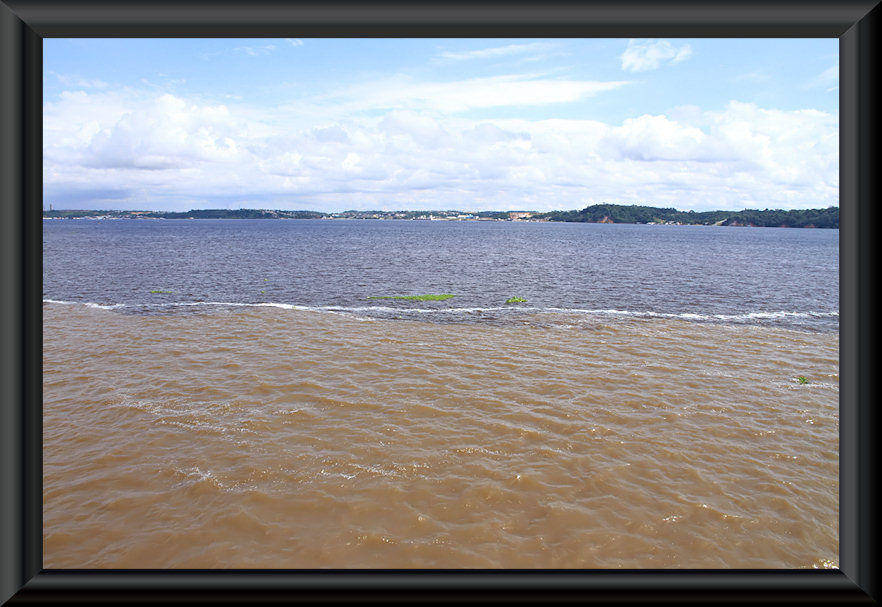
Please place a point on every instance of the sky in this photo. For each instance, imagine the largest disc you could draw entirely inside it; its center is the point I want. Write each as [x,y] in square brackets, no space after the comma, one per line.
[470,124]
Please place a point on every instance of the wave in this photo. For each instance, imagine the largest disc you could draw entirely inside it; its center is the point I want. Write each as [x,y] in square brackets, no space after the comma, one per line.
[88,304]
[355,310]
[695,316]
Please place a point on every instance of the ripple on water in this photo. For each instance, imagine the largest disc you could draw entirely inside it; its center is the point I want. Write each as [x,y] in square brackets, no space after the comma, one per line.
[339,443]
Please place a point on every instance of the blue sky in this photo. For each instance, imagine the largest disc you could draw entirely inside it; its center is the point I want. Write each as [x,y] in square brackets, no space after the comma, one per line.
[333,124]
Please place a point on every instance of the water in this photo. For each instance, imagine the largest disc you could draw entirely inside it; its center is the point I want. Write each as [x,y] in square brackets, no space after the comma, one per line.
[642,410]
[773,276]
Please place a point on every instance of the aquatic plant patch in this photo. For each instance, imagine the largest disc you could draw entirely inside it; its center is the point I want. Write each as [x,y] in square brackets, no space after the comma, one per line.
[415,297]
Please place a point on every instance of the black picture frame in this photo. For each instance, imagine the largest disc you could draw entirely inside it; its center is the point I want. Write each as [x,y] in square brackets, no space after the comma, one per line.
[23,24]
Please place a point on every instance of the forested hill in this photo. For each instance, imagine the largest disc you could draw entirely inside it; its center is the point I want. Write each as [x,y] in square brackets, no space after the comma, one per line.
[616,213]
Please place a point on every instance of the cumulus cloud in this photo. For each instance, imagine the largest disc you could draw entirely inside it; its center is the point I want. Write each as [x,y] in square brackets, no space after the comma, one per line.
[646,54]
[138,149]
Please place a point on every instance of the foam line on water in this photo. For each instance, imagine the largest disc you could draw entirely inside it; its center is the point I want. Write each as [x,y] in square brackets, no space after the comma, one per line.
[756,315]
[88,304]
[695,316]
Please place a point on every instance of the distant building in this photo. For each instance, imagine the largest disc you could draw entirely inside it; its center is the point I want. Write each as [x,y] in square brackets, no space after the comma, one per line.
[519,215]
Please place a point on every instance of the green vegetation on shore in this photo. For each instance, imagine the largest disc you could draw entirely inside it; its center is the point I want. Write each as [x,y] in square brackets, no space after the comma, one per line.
[598,213]
[415,297]
[773,218]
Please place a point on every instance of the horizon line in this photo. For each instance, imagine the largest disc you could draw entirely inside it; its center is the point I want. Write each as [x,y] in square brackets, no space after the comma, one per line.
[438,210]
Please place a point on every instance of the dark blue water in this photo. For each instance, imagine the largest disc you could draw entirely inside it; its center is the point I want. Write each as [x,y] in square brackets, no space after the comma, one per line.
[777,276]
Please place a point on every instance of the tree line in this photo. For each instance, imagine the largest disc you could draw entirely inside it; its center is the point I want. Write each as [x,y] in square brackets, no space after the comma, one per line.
[607,213]
[617,213]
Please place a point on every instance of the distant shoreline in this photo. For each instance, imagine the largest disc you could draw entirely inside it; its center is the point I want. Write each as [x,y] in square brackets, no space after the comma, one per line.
[601,213]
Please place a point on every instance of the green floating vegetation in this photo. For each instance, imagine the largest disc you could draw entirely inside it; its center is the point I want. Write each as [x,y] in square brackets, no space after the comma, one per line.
[511,300]
[801,380]
[415,297]
[160,291]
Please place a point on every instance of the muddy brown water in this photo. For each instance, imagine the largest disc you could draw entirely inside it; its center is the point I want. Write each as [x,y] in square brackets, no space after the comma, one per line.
[268,438]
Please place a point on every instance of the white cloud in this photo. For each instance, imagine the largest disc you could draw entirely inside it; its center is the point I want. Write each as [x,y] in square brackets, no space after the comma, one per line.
[476,93]
[252,50]
[646,54]
[651,138]
[78,82]
[828,79]
[497,51]
[255,51]
[139,149]
[756,76]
